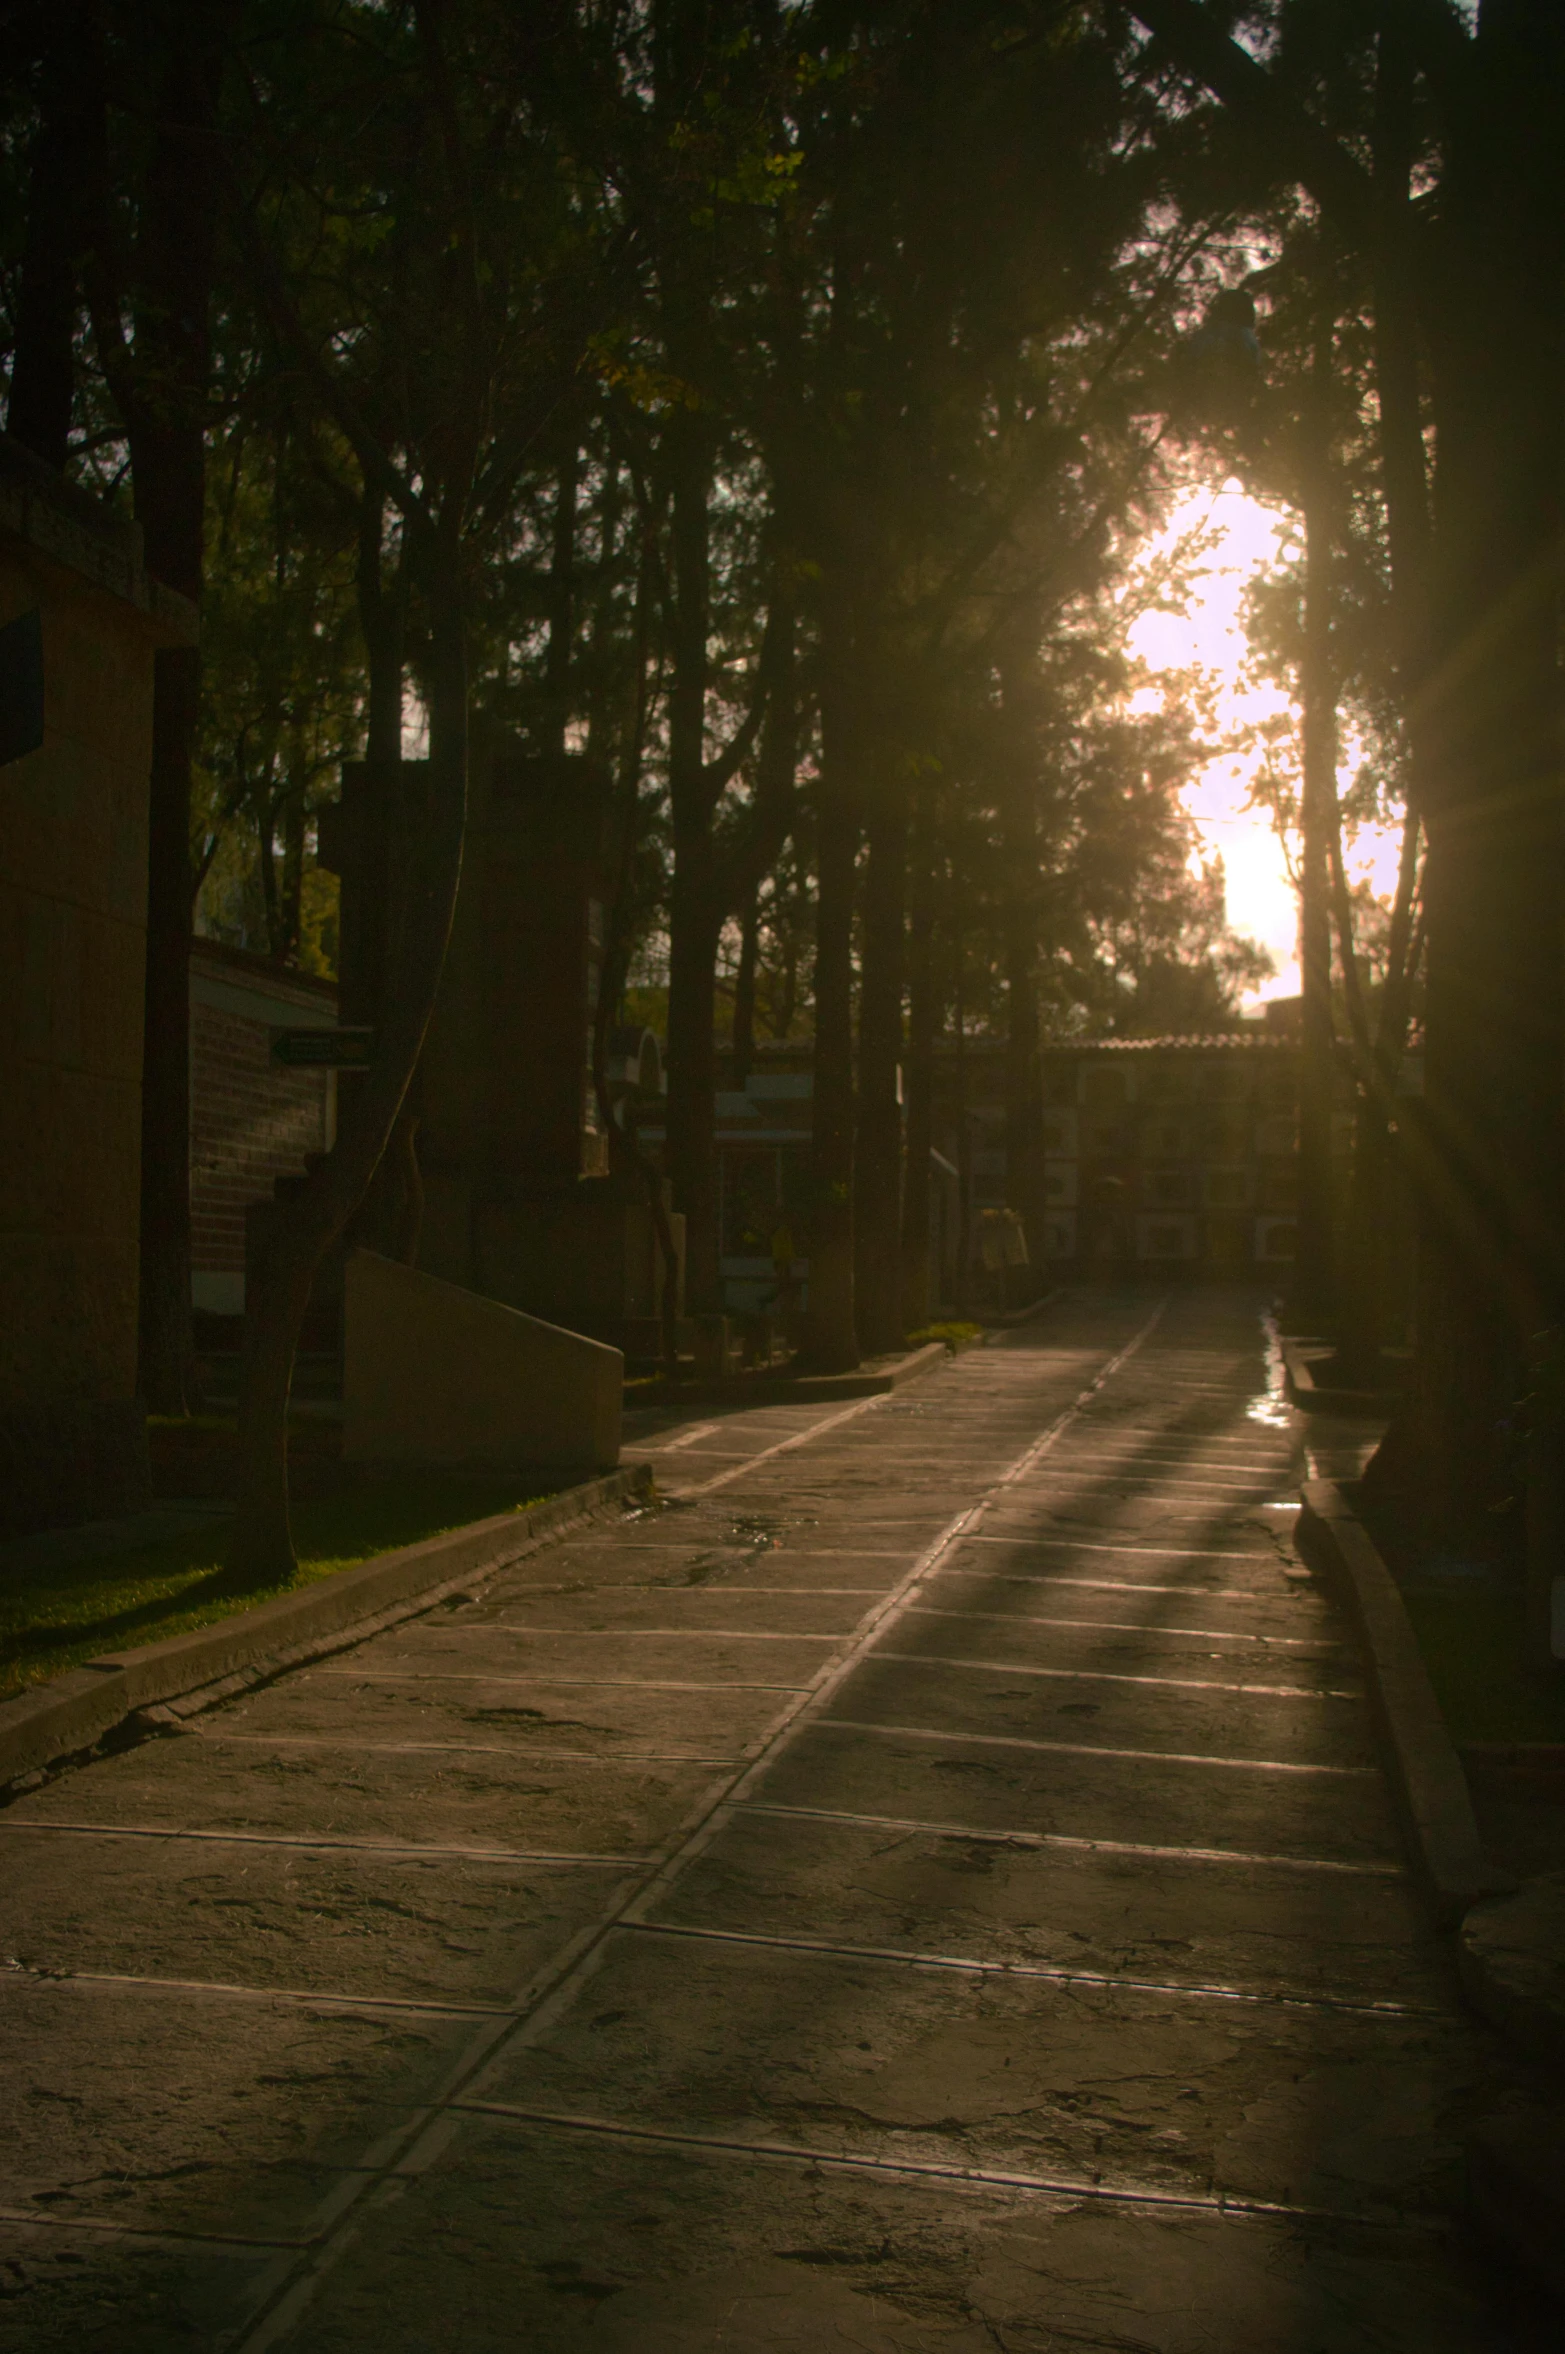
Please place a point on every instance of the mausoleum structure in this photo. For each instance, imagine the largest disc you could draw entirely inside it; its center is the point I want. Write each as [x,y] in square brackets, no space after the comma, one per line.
[80,625]
[522,1202]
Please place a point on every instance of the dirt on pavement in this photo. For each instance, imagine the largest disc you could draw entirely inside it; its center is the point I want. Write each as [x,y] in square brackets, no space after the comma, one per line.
[926,1888]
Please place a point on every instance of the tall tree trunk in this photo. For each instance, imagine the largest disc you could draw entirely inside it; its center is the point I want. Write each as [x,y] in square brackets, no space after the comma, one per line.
[383,624]
[921,1018]
[1311,1295]
[695,916]
[291,896]
[832,1340]
[1023,1069]
[962,1094]
[1366,1305]
[383,615]
[168,380]
[877,1192]
[1490,1244]
[261,1546]
[744,992]
[64,166]
[562,601]
[626,1152]
[695,924]
[390,1216]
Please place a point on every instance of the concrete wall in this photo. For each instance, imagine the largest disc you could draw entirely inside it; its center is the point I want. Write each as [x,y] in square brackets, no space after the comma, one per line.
[434,1374]
[252,1119]
[73,816]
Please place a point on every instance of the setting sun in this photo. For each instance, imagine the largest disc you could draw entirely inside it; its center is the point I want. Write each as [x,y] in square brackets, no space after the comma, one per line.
[1246,538]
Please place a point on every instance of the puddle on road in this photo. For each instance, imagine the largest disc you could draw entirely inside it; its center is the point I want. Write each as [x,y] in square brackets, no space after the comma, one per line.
[1270,1406]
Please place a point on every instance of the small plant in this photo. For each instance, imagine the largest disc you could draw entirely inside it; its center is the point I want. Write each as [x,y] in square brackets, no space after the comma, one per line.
[954,1336]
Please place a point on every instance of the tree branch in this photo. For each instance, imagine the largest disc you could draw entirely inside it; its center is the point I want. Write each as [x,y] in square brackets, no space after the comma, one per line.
[1201,49]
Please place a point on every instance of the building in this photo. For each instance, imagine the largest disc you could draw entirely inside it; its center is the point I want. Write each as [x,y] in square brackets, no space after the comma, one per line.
[80,624]
[1174,1153]
[521,1202]
[763,1170]
[1178,1155]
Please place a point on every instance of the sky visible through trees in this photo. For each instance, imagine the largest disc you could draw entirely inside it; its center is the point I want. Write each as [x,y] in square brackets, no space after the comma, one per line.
[1249,539]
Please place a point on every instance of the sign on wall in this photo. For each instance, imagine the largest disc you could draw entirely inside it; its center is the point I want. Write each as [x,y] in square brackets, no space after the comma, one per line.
[324,1050]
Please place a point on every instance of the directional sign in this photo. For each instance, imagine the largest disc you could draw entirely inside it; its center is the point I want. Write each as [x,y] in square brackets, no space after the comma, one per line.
[323,1050]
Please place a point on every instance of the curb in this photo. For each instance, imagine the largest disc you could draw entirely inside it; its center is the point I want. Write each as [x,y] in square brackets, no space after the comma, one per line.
[1510,1959]
[1426,1773]
[72,1712]
[1015,1316]
[1314,1397]
[1534,1768]
[805,1389]
[1516,2183]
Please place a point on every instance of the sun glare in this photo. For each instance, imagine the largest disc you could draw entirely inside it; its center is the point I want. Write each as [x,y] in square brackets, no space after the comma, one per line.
[1207,635]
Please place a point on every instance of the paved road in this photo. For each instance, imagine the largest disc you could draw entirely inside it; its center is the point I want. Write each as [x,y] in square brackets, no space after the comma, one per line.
[927,1890]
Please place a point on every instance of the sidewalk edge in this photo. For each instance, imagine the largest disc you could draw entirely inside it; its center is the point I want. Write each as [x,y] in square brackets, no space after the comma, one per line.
[1426,1774]
[805,1389]
[74,1711]
[1313,1397]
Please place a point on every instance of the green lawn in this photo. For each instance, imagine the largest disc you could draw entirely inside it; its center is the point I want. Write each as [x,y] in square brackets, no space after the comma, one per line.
[955,1336]
[54,1618]
[1471,1640]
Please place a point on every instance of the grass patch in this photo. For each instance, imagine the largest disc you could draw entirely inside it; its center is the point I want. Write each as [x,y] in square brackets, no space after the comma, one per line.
[955,1336]
[1472,1642]
[58,1615]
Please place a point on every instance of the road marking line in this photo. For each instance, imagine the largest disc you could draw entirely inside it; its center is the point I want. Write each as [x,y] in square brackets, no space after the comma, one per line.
[1205,1487]
[724,1594]
[1127,1451]
[1249,1765]
[535,1749]
[660,1634]
[1060,1577]
[168,2234]
[1074,1841]
[572,1683]
[743,1552]
[280,1994]
[783,1446]
[326,1843]
[688,1438]
[1156,1437]
[1124,1626]
[1090,1545]
[1100,1675]
[285,2297]
[915,2169]
[1365,2006]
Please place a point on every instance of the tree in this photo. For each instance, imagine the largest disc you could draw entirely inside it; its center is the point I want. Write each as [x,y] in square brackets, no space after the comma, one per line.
[151,274]
[1477,267]
[466,359]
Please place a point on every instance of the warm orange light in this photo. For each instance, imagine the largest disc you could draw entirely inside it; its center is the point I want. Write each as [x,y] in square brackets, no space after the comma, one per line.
[1208,636]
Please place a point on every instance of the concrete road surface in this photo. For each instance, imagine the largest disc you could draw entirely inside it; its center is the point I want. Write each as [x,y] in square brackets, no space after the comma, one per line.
[926,1889]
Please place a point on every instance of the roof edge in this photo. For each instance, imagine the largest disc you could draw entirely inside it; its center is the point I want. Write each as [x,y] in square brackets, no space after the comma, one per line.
[69,527]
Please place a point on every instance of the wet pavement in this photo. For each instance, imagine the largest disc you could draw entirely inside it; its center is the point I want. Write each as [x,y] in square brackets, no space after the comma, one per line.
[928,1888]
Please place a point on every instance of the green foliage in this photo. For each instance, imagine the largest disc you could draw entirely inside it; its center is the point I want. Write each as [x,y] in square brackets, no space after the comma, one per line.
[52,1618]
[284,685]
[895,281]
[954,1336]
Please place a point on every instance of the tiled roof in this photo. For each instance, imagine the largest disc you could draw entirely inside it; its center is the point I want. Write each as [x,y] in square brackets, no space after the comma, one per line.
[1227,1041]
